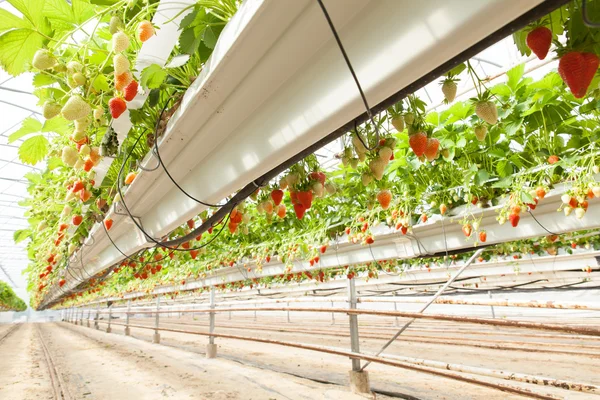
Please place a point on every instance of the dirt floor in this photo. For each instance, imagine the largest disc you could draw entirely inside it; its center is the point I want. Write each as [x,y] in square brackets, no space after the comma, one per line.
[95,365]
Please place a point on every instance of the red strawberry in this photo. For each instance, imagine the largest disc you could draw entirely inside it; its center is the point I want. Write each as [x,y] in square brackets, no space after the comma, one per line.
[191,223]
[467,229]
[186,245]
[431,149]
[62,227]
[131,91]
[553,159]
[514,219]
[540,192]
[108,223]
[277,196]
[482,236]
[281,210]
[299,209]
[117,107]
[61,283]
[323,249]
[145,31]
[369,240]
[194,253]
[384,198]
[318,176]
[539,41]
[85,195]
[77,186]
[418,143]
[77,220]
[305,198]
[577,70]
[443,209]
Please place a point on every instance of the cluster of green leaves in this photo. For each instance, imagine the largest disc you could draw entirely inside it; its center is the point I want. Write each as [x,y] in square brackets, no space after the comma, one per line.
[9,301]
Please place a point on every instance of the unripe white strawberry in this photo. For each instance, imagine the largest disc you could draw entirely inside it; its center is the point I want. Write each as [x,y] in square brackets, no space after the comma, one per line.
[385,153]
[75,108]
[366,179]
[481,132]
[72,248]
[354,162]
[246,218]
[596,191]
[43,59]
[565,198]
[409,118]
[79,164]
[120,42]
[398,123]
[51,109]
[596,169]
[78,135]
[476,225]
[84,151]
[377,167]
[487,111]
[79,79]
[330,188]
[70,195]
[58,257]
[42,225]
[74,66]
[66,210]
[121,64]
[318,188]
[579,212]
[115,25]
[69,156]
[449,88]
[567,210]
[82,124]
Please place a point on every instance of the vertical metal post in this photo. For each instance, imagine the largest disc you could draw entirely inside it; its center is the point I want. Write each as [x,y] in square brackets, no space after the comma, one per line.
[288,313]
[81,317]
[354,339]
[211,339]
[332,315]
[88,317]
[108,329]
[127,331]
[230,312]
[396,309]
[255,307]
[492,307]
[96,321]
[156,338]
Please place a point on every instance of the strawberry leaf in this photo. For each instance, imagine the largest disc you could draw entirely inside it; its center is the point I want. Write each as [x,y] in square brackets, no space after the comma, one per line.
[29,126]
[153,76]
[33,150]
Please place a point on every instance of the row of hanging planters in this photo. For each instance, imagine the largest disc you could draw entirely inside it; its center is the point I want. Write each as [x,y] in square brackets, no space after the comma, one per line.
[9,301]
[510,144]
[175,279]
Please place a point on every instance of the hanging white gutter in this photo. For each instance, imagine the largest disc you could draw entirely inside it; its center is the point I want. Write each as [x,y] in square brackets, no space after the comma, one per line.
[276,84]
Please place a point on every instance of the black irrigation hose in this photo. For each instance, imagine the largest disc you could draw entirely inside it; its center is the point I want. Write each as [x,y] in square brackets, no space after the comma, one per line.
[538,222]
[161,244]
[160,161]
[349,64]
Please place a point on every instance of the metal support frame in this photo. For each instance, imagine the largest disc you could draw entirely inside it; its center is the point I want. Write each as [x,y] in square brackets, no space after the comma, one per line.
[88,317]
[492,307]
[211,320]
[430,302]
[97,319]
[156,338]
[288,313]
[354,338]
[108,329]
[127,317]
[332,315]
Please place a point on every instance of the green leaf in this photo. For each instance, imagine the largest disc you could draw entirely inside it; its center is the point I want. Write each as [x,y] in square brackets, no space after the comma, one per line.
[100,83]
[504,168]
[526,197]
[10,21]
[503,183]
[209,38]
[153,76]
[21,235]
[462,142]
[43,80]
[57,125]
[520,39]
[501,90]
[33,150]
[482,177]
[33,11]
[83,10]
[190,40]
[496,152]
[512,126]
[514,76]
[58,10]
[17,48]
[29,126]
[53,163]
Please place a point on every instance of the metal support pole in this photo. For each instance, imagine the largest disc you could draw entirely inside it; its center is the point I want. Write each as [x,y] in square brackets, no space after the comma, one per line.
[255,307]
[396,309]
[156,337]
[354,339]
[127,331]
[492,307]
[288,313]
[88,317]
[430,302]
[230,313]
[211,348]
[108,329]
[97,319]
[81,317]
[332,315]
